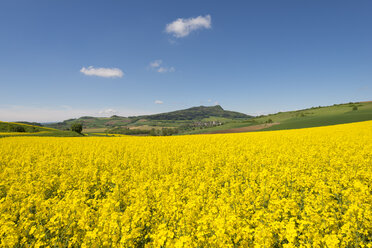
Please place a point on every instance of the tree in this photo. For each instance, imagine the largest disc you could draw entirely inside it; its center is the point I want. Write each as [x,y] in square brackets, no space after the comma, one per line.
[355,108]
[152,132]
[164,131]
[77,127]
[13,128]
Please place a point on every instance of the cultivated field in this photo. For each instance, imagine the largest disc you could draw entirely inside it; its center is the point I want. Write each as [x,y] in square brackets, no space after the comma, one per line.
[291,188]
[94,130]
[246,129]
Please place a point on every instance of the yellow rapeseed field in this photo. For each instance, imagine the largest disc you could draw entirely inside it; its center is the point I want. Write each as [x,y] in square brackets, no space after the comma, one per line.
[296,188]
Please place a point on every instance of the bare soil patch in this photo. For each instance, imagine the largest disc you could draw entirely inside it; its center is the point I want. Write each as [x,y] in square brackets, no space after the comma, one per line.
[94,130]
[245,129]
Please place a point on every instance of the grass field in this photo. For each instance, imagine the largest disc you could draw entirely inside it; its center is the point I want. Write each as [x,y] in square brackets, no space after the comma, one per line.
[313,117]
[9,126]
[31,130]
[324,116]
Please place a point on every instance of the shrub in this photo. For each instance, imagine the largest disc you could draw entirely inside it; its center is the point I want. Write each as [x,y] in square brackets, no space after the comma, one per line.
[152,132]
[77,127]
[13,128]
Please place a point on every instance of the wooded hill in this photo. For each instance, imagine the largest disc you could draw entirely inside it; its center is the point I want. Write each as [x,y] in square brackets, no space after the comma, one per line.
[201,114]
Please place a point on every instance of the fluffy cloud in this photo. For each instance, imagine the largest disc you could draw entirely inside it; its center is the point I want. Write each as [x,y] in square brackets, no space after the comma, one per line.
[107,111]
[158,102]
[157,66]
[165,69]
[102,72]
[156,63]
[183,27]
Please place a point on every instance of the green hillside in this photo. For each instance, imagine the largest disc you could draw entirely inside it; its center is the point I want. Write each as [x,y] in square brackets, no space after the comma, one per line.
[215,119]
[321,116]
[311,117]
[92,122]
[186,119]
[22,129]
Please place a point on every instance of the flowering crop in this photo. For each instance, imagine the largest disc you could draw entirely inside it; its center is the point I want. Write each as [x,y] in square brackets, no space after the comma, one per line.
[296,188]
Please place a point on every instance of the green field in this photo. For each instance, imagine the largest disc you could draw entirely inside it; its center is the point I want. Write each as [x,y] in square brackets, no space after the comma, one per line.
[323,116]
[204,123]
[228,125]
[312,117]
[20,129]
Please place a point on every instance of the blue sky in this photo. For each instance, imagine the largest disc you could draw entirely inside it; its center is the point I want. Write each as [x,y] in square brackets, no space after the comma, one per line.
[64,59]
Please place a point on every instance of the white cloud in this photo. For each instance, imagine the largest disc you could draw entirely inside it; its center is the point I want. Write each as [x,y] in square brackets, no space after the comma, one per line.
[165,69]
[216,103]
[183,27]
[161,69]
[157,65]
[102,72]
[209,100]
[108,111]
[158,102]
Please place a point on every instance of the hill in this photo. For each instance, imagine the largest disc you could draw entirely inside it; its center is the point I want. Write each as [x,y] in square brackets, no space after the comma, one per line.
[322,116]
[22,129]
[30,123]
[181,119]
[197,113]
[200,119]
[311,117]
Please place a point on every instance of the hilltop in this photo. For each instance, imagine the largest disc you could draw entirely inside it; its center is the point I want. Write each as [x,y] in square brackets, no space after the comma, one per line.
[185,119]
[197,113]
